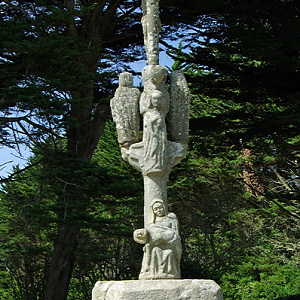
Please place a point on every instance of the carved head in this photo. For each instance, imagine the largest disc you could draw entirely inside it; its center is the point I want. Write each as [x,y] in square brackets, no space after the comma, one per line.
[141,236]
[158,74]
[158,209]
[157,99]
[125,80]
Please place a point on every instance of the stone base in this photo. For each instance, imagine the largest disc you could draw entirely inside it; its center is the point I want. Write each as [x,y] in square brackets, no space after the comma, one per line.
[174,289]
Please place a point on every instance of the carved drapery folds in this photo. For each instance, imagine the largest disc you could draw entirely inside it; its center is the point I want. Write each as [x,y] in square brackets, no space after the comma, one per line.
[162,250]
[155,136]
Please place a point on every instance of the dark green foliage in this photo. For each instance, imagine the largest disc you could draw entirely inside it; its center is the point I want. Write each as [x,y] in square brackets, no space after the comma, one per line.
[293,297]
[45,199]
[59,61]
[242,63]
[262,278]
[246,56]
[58,58]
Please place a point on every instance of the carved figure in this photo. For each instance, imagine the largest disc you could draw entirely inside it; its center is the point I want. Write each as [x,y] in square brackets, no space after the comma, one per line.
[162,251]
[178,117]
[141,236]
[164,144]
[154,78]
[155,136]
[125,111]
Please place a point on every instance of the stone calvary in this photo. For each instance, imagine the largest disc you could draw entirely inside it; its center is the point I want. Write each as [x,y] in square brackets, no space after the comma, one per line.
[165,115]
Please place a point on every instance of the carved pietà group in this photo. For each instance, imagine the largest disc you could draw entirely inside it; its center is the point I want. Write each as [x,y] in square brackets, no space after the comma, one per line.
[162,250]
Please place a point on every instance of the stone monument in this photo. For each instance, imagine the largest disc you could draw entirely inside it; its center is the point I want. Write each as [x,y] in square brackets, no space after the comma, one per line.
[165,116]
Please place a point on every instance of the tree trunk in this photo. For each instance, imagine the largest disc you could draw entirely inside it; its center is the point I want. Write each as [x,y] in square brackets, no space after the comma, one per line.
[83,137]
[86,126]
[61,265]
[249,176]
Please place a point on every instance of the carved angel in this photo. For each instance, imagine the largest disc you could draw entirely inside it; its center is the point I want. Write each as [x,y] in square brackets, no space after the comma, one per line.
[125,111]
[178,116]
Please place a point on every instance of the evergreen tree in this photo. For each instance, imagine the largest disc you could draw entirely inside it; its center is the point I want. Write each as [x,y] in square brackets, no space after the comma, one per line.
[242,62]
[243,66]
[235,195]
[33,212]
[58,64]
[59,61]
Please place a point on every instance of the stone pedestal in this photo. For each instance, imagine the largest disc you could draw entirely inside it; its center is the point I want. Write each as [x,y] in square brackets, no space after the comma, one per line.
[188,289]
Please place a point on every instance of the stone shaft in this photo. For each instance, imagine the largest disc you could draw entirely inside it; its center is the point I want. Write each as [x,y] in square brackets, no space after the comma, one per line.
[155,187]
[151,27]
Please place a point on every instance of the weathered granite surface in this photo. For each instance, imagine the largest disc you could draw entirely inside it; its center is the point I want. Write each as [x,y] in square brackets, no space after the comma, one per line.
[188,289]
[151,27]
[125,111]
[162,250]
[165,112]
[162,146]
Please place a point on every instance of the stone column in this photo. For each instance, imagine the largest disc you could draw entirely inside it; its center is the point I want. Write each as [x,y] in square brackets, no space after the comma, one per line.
[151,27]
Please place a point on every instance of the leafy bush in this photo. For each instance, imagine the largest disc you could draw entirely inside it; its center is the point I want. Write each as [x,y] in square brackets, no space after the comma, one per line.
[260,278]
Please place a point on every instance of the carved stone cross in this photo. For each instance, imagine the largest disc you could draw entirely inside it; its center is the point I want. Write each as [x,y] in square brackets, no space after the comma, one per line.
[165,136]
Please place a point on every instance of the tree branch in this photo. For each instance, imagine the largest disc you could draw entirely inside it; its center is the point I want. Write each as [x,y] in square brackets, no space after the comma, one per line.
[27,120]
[11,176]
[72,27]
[9,3]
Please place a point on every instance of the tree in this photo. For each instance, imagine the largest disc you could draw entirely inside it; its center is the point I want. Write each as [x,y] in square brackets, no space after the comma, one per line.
[32,212]
[243,66]
[58,62]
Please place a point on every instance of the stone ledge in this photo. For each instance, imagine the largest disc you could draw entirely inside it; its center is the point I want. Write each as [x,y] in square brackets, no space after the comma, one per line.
[174,289]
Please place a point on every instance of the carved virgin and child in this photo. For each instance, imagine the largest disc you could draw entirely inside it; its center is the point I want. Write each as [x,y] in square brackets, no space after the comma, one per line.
[155,136]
